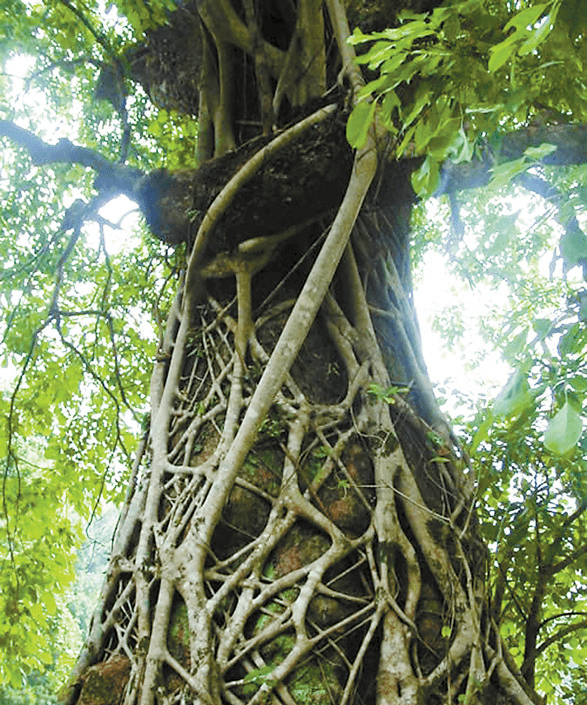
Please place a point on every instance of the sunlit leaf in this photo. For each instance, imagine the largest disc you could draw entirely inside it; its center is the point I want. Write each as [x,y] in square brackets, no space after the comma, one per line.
[564,430]
[525,17]
[537,37]
[500,54]
[359,123]
[425,179]
[515,396]
[573,244]
[573,340]
[481,433]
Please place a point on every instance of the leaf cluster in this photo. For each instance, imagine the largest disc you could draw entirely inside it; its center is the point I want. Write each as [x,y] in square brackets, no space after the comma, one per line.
[533,517]
[449,79]
[528,442]
[81,305]
[531,460]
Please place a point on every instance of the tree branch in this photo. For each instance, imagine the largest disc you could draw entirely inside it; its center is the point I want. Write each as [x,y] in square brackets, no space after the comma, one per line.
[123,178]
[571,558]
[563,615]
[560,634]
[43,153]
[570,141]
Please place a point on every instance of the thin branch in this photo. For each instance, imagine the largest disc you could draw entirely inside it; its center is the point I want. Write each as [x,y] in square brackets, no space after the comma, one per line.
[563,533]
[100,37]
[119,176]
[11,458]
[571,558]
[563,615]
[570,140]
[559,635]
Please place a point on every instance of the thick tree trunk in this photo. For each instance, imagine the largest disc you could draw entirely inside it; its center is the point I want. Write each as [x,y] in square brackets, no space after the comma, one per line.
[300,526]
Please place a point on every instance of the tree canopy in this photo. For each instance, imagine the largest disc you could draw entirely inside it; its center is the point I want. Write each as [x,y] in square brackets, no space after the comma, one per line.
[486,101]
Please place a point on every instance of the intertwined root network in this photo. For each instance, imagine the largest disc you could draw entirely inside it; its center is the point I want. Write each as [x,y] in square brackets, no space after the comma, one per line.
[334,552]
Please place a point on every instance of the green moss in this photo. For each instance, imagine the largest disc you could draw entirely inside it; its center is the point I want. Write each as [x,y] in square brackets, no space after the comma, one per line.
[385,443]
[391,443]
[178,636]
[272,425]
[277,650]
[314,684]
[258,469]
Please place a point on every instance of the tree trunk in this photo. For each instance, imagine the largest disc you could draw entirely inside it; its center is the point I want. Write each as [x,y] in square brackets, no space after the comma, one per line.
[300,525]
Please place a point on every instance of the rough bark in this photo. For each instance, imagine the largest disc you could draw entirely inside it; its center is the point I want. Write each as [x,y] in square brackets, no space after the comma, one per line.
[300,526]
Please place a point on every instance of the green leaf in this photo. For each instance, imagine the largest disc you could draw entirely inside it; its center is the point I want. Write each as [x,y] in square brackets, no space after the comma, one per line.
[405,143]
[573,245]
[393,64]
[425,179]
[564,430]
[481,433]
[154,128]
[359,123]
[377,54]
[504,173]
[379,85]
[423,135]
[415,29]
[573,340]
[579,383]
[423,97]
[500,53]
[358,37]
[16,678]
[515,396]
[445,139]
[258,674]
[389,104]
[516,345]
[522,22]
[387,395]
[525,18]
[538,153]
[49,602]
[461,148]
[537,37]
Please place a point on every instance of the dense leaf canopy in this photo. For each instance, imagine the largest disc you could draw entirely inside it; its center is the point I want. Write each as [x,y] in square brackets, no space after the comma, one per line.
[84,295]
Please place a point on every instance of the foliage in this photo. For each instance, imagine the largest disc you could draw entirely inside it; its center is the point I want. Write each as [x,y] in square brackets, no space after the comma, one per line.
[79,306]
[66,628]
[533,518]
[41,523]
[528,441]
[476,78]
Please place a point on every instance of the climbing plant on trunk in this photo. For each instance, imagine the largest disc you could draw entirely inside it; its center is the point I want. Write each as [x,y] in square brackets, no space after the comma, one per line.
[300,523]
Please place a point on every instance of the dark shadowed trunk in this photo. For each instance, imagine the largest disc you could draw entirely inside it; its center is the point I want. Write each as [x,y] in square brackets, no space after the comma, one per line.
[300,526]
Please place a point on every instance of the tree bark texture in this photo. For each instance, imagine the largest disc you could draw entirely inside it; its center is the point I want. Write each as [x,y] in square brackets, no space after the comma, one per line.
[300,525]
